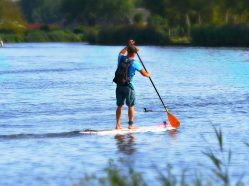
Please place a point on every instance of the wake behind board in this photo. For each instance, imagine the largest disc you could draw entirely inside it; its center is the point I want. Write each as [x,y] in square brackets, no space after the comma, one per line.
[157,128]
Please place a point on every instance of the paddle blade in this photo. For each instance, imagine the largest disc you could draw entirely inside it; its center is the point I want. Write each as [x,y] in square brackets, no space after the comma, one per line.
[174,122]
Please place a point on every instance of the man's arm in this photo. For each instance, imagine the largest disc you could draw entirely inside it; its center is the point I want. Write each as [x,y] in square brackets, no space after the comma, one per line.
[123,51]
[144,73]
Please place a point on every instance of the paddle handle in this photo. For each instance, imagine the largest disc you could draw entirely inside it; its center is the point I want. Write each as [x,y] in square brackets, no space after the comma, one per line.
[165,107]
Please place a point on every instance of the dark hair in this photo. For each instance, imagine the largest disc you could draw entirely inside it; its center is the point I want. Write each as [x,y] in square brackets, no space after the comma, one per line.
[132,49]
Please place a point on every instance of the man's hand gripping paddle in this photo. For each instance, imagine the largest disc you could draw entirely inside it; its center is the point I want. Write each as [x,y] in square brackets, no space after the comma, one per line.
[174,122]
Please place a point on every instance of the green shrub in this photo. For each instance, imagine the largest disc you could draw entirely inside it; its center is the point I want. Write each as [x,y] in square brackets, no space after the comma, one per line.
[142,34]
[52,36]
[91,35]
[80,29]
[45,28]
[157,20]
[63,36]
[226,35]
[36,36]
[6,31]
[11,38]
[115,176]
[138,18]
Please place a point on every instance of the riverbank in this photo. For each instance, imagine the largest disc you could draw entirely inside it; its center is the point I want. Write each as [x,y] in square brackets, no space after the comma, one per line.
[210,35]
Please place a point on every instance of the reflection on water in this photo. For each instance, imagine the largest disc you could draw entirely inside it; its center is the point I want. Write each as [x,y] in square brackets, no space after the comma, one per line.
[40,136]
[172,133]
[125,143]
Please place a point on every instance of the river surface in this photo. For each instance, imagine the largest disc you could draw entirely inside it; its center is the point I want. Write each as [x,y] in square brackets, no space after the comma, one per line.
[51,91]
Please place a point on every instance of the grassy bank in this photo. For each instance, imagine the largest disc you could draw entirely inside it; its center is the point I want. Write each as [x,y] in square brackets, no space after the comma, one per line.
[112,35]
[226,35]
[144,35]
[123,173]
[42,36]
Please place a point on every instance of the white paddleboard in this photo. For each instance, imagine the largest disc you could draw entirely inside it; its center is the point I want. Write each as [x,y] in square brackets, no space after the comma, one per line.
[157,128]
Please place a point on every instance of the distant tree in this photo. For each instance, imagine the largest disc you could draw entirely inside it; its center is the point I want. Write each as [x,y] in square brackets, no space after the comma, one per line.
[11,18]
[173,11]
[184,14]
[138,18]
[97,11]
[201,11]
[157,21]
[233,10]
[42,11]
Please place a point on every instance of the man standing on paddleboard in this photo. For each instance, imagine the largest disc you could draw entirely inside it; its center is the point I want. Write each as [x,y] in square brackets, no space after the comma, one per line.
[124,78]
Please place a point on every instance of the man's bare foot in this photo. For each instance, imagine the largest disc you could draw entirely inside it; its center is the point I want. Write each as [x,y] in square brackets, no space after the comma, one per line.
[132,127]
[118,128]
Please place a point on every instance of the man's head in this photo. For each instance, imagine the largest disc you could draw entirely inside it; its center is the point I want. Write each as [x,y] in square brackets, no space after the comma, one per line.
[131,48]
[131,42]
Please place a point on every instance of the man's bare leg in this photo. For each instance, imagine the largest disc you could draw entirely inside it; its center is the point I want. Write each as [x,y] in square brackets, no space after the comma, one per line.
[131,112]
[118,117]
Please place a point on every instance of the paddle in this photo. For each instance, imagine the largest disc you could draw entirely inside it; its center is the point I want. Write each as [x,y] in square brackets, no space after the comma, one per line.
[172,119]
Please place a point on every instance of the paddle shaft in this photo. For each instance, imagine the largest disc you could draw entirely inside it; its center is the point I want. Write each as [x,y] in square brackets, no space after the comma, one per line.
[166,109]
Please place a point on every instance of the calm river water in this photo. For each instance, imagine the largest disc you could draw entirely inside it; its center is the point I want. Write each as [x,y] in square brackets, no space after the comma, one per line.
[50,91]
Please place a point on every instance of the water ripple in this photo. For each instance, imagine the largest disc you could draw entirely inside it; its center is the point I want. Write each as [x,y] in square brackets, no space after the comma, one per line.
[35,136]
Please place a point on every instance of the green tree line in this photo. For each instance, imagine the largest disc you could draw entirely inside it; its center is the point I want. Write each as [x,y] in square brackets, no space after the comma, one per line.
[171,19]
[184,14]
[11,18]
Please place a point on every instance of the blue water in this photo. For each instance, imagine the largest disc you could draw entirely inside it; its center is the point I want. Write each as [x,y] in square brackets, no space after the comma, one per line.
[51,91]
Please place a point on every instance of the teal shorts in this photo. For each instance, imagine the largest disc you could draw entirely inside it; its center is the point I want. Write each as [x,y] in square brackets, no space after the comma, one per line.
[125,93]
